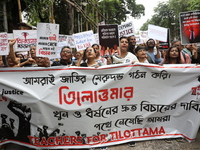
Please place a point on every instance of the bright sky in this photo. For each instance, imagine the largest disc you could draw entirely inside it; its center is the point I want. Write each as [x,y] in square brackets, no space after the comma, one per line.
[149,6]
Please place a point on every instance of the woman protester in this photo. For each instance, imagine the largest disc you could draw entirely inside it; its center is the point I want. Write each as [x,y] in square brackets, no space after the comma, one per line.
[98,57]
[89,58]
[124,56]
[141,53]
[173,56]
[12,60]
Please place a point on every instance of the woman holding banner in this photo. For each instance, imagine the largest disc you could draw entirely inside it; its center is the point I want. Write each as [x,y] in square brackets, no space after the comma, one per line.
[98,57]
[124,56]
[141,53]
[172,56]
[88,56]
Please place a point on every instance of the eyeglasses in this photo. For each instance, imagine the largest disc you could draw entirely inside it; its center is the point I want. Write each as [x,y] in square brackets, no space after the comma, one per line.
[68,52]
[177,45]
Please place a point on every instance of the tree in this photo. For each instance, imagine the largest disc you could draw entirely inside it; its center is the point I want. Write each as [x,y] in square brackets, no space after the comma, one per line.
[194,5]
[116,11]
[167,15]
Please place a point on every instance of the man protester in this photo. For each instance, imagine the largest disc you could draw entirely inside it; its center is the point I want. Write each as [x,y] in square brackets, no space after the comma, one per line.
[153,57]
[65,57]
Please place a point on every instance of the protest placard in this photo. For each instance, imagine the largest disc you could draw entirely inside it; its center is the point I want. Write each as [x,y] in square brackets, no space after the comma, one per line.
[70,41]
[84,39]
[126,29]
[4,43]
[62,38]
[190,27]
[24,39]
[10,36]
[96,36]
[158,33]
[108,38]
[165,45]
[47,39]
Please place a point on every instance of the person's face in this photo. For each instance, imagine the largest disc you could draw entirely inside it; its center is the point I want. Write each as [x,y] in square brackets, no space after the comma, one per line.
[178,44]
[190,46]
[19,56]
[96,48]
[90,53]
[66,54]
[40,61]
[33,51]
[132,40]
[123,44]
[141,53]
[109,60]
[47,62]
[1,63]
[162,53]
[150,43]
[173,53]
[10,62]
[78,55]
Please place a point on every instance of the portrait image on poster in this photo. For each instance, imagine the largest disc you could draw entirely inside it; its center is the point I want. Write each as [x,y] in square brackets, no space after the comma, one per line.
[190,27]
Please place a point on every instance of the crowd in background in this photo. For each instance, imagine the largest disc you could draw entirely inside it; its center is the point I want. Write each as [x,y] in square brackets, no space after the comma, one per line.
[129,52]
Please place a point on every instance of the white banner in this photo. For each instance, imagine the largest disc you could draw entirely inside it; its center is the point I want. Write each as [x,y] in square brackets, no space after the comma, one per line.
[4,44]
[158,33]
[25,39]
[83,40]
[47,37]
[126,29]
[61,107]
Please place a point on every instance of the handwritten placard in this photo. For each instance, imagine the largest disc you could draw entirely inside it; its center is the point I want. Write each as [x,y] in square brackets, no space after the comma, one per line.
[84,39]
[4,44]
[47,36]
[25,39]
[158,33]
[126,29]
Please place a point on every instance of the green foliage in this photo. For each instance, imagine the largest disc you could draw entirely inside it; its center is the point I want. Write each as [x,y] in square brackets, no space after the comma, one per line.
[37,11]
[116,11]
[194,5]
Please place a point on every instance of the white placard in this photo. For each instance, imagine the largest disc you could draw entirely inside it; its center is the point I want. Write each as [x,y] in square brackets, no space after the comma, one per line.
[126,29]
[84,39]
[24,39]
[70,41]
[4,44]
[158,33]
[47,37]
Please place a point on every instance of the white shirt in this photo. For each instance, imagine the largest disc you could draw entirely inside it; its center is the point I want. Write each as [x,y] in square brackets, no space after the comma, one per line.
[127,59]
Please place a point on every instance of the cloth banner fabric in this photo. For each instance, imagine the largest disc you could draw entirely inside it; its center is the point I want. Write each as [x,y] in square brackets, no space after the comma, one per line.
[79,107]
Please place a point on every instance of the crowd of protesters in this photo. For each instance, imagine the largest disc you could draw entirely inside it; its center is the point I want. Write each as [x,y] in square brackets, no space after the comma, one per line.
[129,52]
